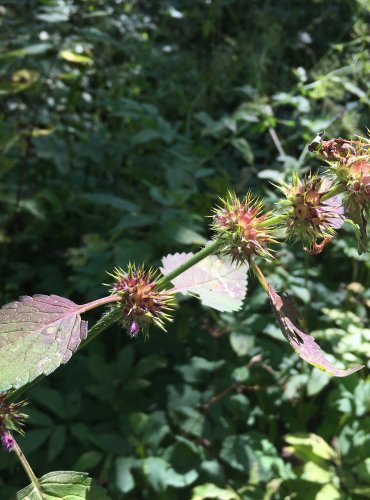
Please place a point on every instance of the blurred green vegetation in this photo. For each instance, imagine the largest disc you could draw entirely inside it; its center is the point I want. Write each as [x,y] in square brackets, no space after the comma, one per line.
[121,124]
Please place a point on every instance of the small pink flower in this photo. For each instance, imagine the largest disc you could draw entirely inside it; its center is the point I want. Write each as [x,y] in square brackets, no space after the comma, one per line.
[7,441]
[134,329]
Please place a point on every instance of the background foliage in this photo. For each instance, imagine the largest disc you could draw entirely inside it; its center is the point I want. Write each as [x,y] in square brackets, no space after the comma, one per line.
[122,121]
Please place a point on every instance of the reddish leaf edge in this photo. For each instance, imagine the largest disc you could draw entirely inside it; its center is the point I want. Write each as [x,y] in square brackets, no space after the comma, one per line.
[303,344]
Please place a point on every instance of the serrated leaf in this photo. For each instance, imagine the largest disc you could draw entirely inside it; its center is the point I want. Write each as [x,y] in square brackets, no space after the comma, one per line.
[63,485]
[217,282]
[305,345]
[37,334]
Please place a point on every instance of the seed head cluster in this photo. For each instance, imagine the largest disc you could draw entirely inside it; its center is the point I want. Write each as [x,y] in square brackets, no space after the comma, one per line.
[142,303]
[309,218]
[349,166]
[11,420]
[243,227]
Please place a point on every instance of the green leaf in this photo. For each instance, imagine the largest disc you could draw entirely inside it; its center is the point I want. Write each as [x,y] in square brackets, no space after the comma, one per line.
[330,492]
[244,148]
[238,453]
[311,445]
[317,381]
[241,343]
[110,200]
[64,485]
[29,50]
[160,475]
[72,57]
[88,460]
[56,442]
[146,135]
[208,490]
[125,479]
[43,331]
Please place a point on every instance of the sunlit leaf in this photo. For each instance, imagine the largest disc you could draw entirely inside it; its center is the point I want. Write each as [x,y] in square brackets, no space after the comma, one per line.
[217,282]
[313,444]
[72,57]
[304,345]
[21,80]
[208,490]
[37,334]
[62,485]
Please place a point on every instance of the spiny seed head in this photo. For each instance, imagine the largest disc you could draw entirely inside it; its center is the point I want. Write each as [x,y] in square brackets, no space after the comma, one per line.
[142,303]
[237,222]
[349,165]
[358,183]
[11,418]
[308,217]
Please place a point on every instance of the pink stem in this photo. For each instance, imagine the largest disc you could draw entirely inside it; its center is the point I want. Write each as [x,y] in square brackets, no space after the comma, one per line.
[98,303]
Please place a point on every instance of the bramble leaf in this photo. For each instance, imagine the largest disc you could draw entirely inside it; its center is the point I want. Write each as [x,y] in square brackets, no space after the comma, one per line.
[217,282]
[37,334]
[62,485]
[304,345]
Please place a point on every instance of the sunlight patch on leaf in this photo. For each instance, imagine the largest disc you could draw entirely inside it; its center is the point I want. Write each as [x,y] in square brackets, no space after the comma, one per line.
[304,345]
[217,282]
[72,57]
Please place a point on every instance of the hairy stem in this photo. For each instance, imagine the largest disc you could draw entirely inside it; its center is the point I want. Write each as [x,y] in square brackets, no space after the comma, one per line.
[28,470]
[272,221]
[98,303]
[104,322]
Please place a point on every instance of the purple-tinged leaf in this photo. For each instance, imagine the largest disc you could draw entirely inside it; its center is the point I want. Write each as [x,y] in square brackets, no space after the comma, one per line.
[217,282]
[305,345]
[37,334]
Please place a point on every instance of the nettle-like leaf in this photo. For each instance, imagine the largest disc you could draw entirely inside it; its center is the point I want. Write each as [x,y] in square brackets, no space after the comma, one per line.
[217,282]
[37,334]
[64,484]
[305,345]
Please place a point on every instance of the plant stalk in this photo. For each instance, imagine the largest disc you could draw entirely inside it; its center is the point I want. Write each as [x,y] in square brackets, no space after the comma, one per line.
[28,470]
[260,276]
